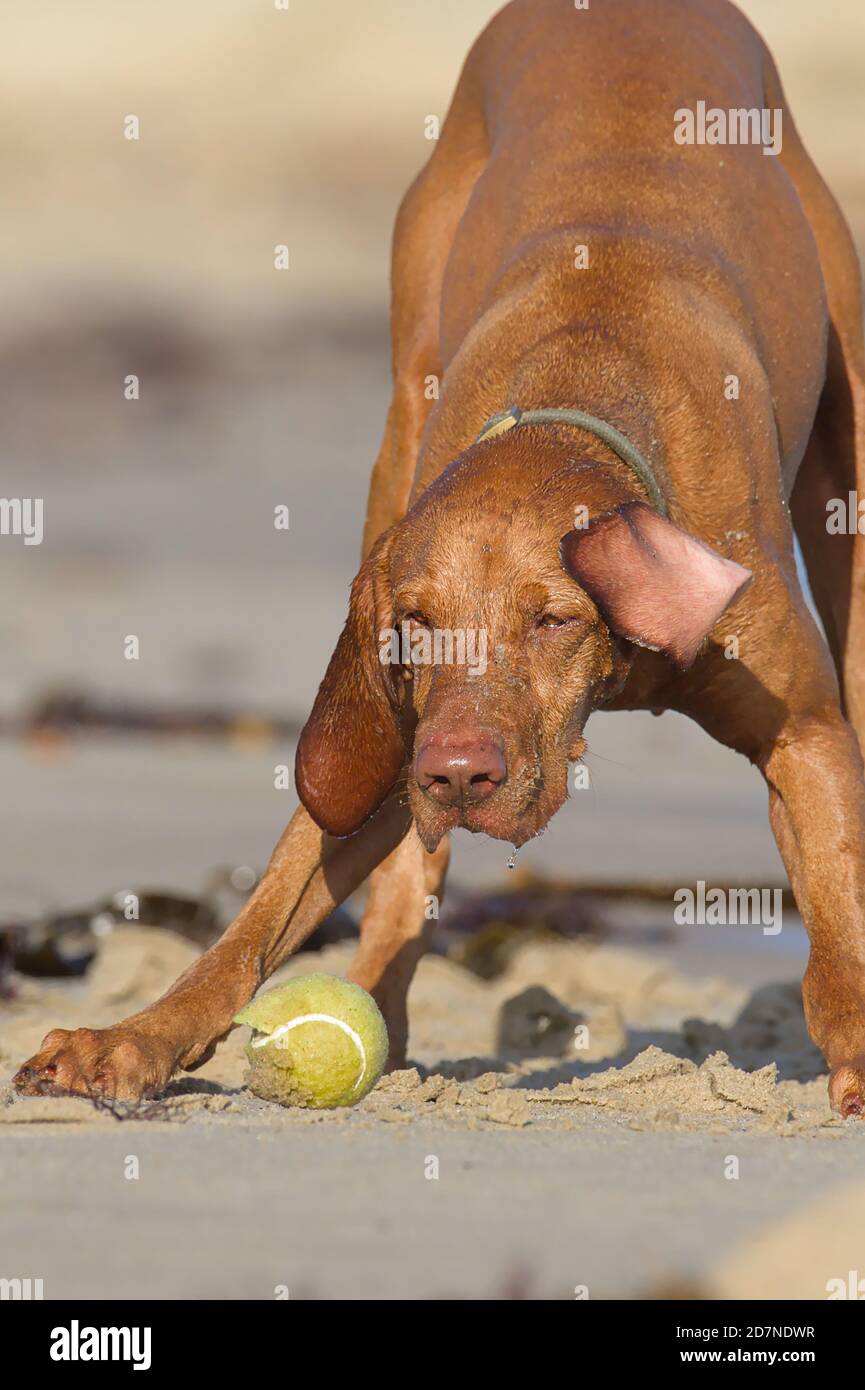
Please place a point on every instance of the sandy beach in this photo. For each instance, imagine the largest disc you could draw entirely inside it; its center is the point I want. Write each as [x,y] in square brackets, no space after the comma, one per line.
[608,1168]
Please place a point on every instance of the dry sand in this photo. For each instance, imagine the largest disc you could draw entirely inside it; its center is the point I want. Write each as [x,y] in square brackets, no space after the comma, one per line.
[655,1048]
[606,1166]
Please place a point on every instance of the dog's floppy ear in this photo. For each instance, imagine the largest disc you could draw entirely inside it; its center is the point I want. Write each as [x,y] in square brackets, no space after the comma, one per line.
[652,583]
[351,749]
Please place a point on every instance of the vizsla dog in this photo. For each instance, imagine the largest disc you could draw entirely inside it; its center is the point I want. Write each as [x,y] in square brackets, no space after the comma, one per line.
[648,339]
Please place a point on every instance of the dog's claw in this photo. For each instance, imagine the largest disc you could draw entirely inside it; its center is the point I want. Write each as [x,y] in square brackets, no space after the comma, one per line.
[847,1089]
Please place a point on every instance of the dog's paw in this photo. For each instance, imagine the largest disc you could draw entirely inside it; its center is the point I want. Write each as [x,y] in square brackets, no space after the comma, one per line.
[847,1089]
[119,1063]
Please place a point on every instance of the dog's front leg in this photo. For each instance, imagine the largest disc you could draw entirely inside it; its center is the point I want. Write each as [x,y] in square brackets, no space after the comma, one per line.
[309,874]
[817,809]
[779,705]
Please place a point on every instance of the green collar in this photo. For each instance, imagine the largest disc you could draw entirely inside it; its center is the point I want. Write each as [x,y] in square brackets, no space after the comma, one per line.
[613,438]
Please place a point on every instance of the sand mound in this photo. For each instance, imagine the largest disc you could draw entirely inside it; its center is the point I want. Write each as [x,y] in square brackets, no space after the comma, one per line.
[569,1033]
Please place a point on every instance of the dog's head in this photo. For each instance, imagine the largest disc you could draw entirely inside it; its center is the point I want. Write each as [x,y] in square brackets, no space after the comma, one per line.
[483,629]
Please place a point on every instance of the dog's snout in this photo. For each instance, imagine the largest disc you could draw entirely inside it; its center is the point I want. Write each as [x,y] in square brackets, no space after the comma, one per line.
[459,769]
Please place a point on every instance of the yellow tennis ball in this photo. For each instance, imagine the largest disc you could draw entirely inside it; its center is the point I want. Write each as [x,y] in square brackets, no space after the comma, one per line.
[317,1041]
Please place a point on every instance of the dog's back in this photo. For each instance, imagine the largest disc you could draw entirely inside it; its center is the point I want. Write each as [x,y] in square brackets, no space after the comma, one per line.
[585,119]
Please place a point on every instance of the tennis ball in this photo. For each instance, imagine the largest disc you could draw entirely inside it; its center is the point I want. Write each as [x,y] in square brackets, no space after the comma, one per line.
[317,1041]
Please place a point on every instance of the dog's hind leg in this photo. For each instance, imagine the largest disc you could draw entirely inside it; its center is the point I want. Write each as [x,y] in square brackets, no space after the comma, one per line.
[834,462]
[826,474]
[832,469]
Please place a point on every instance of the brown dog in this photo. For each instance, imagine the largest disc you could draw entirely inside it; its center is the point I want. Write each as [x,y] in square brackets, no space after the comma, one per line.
[713,318]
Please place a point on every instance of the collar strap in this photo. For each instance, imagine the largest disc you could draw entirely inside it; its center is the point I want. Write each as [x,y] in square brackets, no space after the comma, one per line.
[613,438]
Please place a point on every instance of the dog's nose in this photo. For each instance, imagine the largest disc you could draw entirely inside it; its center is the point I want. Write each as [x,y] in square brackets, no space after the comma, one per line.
[460,769]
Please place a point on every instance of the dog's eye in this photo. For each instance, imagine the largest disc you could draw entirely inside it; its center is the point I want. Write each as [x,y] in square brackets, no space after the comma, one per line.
[551,620]
[409,624]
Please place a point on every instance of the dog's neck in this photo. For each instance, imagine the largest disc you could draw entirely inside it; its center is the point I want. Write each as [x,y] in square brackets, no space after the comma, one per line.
[566,417]
[579,367]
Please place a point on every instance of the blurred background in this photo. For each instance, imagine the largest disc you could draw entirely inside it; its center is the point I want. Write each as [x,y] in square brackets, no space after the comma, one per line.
[258,126]
[155,257]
